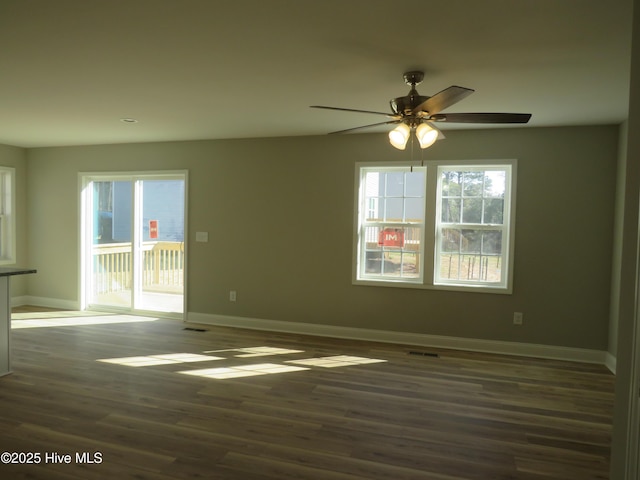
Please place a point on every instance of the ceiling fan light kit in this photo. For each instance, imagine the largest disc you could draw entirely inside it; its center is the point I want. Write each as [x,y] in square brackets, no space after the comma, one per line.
[415,112]
[399,136]
[426,135]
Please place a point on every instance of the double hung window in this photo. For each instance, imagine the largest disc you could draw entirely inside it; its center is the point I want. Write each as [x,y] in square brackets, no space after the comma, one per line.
[442,225]
[392,225]
[7,216]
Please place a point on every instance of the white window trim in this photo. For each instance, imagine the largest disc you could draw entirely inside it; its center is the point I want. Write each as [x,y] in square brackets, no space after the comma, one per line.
[429,242]
[7,216]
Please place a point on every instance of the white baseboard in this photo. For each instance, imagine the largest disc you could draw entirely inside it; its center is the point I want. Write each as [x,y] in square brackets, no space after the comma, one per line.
[45,302]
[384,336]
[19,301]
[610,362]
[407,338]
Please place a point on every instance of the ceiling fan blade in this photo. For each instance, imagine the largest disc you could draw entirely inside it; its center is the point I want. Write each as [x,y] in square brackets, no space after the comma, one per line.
[481,117]
[365,126]
[391,115]
[443,99]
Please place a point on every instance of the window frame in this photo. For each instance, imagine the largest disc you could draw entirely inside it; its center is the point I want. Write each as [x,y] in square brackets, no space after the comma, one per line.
[428,259]
[7,216]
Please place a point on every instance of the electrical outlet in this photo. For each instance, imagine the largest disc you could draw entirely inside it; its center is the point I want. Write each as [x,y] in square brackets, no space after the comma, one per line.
[232,296]
[517,318]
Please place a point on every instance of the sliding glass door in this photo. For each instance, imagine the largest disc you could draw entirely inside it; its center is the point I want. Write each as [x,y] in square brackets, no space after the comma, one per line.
[133,242]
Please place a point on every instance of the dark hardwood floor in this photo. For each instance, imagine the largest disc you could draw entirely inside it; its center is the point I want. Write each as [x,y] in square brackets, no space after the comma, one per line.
[458,415]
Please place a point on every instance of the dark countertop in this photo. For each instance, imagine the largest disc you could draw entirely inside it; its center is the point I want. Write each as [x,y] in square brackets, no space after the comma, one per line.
[6,271]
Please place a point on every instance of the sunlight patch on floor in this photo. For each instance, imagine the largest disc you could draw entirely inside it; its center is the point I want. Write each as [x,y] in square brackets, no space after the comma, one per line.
[238,371]
[335,361]
[264,351]
[257,351]
[57,314]
[16,323]
[243,371]
[164,359]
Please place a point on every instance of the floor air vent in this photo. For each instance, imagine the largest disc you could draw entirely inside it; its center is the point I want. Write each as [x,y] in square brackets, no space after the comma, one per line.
[195,329]
[424,354]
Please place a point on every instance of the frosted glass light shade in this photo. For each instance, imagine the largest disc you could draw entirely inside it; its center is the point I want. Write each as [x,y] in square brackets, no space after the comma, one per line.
[399,136]
[426,135]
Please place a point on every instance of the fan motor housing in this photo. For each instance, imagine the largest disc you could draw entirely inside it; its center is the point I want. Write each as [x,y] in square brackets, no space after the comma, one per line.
[405,105]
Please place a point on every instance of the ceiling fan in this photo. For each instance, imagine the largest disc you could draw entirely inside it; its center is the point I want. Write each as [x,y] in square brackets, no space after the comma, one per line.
[415,112]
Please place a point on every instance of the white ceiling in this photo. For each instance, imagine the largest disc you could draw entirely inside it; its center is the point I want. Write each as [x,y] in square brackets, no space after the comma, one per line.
[210,69]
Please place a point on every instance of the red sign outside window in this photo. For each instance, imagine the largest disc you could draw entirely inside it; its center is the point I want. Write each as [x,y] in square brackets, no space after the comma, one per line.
[391,237]
[153,228]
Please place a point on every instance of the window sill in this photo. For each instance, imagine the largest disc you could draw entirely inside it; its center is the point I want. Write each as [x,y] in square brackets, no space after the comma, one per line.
[442,287]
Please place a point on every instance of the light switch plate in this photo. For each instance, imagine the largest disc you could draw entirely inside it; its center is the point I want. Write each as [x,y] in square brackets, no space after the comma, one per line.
[202,236]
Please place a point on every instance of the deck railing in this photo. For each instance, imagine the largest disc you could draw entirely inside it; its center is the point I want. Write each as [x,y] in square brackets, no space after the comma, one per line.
[162,266]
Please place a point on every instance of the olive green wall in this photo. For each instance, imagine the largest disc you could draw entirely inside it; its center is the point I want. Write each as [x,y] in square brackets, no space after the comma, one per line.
[279,213]
[17,158]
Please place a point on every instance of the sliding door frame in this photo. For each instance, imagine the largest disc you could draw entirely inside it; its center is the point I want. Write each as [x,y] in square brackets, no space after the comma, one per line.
[85,240]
